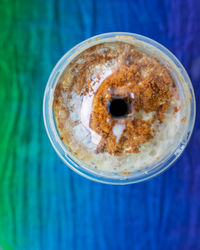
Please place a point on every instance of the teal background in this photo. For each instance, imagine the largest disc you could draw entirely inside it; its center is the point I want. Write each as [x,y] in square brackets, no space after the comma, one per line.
[43,204]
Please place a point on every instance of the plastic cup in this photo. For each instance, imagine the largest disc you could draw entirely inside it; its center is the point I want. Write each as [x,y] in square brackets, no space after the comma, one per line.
[182,80]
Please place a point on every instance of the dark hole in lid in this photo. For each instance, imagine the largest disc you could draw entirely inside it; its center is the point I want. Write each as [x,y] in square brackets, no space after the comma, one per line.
[118,107]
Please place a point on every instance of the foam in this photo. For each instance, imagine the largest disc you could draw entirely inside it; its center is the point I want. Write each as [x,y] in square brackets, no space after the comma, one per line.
[117,130]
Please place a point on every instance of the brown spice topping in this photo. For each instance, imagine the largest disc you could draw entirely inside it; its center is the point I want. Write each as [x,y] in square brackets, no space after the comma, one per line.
[183,120]
[151,95]
[126,173]
[138,73]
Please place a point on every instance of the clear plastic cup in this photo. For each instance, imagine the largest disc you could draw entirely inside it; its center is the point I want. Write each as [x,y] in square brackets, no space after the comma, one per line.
[182,79]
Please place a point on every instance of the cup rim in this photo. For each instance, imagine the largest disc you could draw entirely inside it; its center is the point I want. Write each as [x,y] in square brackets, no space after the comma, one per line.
[69,159]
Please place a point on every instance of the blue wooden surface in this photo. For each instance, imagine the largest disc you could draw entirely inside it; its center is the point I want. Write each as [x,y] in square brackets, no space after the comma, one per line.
[53,208]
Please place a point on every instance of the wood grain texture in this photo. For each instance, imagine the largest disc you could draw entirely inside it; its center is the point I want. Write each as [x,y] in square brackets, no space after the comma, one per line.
[43,204]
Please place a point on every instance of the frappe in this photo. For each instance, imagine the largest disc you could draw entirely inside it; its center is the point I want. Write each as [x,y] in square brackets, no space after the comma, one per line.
[119,106]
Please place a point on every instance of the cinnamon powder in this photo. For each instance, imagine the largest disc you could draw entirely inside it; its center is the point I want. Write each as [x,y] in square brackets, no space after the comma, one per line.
[139,77]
